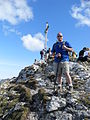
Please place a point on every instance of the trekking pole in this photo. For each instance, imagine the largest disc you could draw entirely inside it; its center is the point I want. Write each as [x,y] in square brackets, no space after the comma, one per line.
[56,76]
[59,57]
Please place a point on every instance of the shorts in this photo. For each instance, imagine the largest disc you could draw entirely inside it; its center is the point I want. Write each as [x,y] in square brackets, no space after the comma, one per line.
[61,67]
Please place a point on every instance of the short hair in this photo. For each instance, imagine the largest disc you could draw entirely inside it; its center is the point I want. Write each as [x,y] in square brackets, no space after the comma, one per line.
[84,48]
[59,34]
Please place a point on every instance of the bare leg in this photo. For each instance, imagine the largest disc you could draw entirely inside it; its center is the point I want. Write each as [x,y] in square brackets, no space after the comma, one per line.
[68,78]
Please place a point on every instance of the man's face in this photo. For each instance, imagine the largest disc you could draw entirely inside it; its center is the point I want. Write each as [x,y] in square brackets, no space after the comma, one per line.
[60,38]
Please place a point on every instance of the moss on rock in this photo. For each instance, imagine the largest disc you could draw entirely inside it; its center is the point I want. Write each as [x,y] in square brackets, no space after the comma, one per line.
[32,83]
[85,99]
[25,95]
[42,95]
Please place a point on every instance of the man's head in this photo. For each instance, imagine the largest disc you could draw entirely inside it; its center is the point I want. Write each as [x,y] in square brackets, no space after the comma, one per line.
[60,36]
[84,48]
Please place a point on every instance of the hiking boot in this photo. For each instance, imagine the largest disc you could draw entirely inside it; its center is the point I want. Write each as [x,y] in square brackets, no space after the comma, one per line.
[70,88]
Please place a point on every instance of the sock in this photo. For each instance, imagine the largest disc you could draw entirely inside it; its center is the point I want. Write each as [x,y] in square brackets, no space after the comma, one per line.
[70,84]
[60,85]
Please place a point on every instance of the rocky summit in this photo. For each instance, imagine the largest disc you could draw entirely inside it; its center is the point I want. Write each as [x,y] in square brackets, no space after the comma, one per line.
[31,95]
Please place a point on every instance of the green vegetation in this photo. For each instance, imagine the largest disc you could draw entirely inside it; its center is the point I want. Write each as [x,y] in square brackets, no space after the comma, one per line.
[77,83]
[18,115]
[25,95]
[15,94]
[42,95]
[85,99]
[32,83]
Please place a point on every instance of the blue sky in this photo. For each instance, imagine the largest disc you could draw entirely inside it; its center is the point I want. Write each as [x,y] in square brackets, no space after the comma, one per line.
[22,25]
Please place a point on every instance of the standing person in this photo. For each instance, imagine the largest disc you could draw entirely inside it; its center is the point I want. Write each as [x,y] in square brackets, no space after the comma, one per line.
[42,54]
[49,53]
[74,56]
[60,51]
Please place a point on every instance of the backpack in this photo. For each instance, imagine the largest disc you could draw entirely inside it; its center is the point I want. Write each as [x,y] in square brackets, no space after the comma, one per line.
[57,43]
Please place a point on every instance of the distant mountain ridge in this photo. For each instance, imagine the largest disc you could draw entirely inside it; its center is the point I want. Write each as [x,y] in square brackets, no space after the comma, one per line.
[3,80]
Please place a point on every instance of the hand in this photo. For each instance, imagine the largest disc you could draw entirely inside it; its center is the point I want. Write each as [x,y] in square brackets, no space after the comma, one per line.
[58,55]
[64,47]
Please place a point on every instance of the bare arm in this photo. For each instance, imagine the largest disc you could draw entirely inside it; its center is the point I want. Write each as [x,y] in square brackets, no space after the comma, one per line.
[53,55]
[67,48]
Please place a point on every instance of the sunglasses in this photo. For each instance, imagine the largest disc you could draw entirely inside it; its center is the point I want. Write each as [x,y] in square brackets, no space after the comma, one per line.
[59,36]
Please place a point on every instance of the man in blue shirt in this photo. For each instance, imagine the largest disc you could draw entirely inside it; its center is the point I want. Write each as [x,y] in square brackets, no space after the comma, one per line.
[60,51]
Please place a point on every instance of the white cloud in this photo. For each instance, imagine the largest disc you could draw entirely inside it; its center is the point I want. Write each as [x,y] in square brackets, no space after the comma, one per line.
[8,29]
[82,13]
[15,11]
[39,36]
[33,43]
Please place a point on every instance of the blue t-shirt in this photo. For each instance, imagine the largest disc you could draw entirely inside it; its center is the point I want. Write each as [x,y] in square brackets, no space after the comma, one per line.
[57,48]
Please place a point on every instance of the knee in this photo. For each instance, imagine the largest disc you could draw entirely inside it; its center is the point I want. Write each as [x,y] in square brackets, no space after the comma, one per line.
[67,74]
